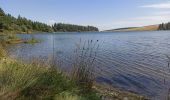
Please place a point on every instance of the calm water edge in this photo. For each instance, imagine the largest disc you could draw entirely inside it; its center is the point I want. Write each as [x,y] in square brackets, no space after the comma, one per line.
[135,61]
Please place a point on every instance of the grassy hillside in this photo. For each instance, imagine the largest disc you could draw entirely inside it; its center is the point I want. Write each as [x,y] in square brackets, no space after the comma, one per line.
[144,28]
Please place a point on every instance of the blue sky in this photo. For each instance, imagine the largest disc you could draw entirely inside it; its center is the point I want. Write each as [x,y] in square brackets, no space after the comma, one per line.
[105,14]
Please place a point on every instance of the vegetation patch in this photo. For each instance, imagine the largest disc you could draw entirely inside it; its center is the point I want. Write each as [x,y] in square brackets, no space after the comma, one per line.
[37,81]
[32,41]
[13,39]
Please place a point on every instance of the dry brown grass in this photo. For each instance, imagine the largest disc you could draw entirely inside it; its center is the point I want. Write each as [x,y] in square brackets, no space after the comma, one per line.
[144,28]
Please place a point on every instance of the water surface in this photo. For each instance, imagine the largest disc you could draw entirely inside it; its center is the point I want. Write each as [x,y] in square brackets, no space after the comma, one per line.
[135,61]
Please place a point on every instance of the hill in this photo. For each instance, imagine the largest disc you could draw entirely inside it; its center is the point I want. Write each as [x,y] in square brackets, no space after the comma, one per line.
[144,28]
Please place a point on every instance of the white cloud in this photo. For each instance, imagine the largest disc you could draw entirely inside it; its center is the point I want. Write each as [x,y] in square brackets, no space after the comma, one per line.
[162,13]
[51,22]
[156,18]
[165,5]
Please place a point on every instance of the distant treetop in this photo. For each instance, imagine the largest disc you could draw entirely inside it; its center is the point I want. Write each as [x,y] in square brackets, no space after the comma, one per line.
[165,26]
[61,27]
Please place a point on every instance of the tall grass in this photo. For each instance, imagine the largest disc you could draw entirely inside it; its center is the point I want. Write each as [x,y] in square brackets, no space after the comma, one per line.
[84,67]
[38,80]
[31,81]
[2,52]
[17,77]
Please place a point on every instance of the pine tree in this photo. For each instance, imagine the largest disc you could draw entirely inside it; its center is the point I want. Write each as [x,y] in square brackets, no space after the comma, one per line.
[164,26]
[2,13]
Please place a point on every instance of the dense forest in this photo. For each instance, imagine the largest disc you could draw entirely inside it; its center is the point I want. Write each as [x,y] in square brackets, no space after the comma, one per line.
[165,26]
[72,28]
[10,24]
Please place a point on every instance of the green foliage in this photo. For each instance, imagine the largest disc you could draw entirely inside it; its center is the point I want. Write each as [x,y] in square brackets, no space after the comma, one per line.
[36,82]
[15,77]
[11,24]
[48,85]
[165,26]
[2,13]
[32,41]
[21,25]
[60,27]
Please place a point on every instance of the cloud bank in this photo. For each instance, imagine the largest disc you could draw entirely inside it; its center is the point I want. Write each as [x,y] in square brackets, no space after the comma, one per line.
[165,5]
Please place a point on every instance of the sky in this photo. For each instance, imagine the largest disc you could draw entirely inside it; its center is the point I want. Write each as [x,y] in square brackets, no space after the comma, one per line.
[104,14]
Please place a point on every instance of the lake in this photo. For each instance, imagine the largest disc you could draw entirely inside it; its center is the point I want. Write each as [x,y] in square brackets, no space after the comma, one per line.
[134,61]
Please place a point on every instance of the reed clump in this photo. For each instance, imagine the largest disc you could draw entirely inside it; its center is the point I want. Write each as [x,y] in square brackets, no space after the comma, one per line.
[84,67]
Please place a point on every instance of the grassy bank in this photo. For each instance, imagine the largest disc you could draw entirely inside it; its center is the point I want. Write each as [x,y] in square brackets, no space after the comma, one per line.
[37,81]
[41,80]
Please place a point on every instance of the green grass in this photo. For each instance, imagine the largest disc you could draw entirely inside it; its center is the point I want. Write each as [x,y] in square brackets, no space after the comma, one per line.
[37,81]
[32,41]
[2,53]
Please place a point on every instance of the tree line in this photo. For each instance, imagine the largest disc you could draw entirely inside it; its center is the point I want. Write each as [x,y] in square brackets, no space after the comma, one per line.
[164,26]
[20,24]
[61,27]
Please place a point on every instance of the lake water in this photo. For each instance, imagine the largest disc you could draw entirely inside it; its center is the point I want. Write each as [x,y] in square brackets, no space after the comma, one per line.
[135,61]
